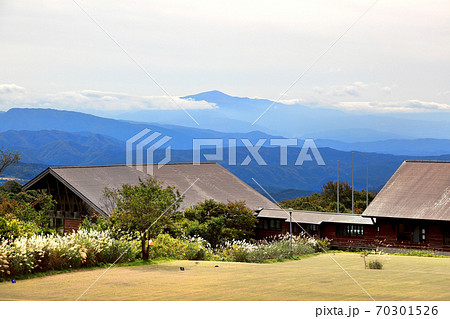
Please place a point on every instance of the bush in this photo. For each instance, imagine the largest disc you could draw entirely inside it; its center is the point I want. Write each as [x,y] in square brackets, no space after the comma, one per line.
[13,228]
[12,186]
[165,246]
[38,253]
[375,264]
[276,248]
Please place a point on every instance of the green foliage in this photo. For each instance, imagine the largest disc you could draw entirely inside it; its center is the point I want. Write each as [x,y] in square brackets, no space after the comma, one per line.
[147,208]
[25,213]
[326,200]
[277,249]
[322,244]
[96,223]
[218,222]
[12,227]
[196,248]
[12,186]
[375,264]
[419,253]
[165,246]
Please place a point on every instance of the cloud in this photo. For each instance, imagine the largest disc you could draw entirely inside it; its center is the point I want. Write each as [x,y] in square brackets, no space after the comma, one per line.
[408,106]
[359,97]
[354,89]
[7,89]
[292,101]
[12,95]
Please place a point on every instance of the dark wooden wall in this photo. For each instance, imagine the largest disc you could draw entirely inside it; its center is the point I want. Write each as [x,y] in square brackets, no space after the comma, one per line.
[383,234]
[388,234]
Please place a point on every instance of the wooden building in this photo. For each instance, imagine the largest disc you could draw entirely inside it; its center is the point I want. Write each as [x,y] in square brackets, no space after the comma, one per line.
[344,230]
[78,190]
[412,210]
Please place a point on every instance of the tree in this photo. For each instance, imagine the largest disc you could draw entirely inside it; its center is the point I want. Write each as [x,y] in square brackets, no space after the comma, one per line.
[218,222]
[25,213]
[326,200]
[12,186]
[7,158]
[146,208]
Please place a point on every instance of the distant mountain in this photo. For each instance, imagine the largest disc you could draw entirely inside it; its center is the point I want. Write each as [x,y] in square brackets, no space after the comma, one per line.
[228,102]
[311,177]
[358,135]
[63,148]
[238,114]
[424,147]
[280,194]
[21,172]
[72,138]
[326,123]
[76,122]
[213,119]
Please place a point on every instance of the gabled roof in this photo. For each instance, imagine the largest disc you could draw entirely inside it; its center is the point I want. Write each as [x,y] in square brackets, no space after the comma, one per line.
[417,190]
[315,218]
[214,182]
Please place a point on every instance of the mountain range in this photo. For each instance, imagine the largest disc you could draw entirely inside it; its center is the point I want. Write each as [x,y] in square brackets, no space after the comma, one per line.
[54,148]
[51,137]
[295,120]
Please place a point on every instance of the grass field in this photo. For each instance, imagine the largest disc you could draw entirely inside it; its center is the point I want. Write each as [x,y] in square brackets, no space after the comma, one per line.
[314,278]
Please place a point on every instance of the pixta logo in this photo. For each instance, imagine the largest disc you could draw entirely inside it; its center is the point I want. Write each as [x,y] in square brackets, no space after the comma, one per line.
[253,151]
[149,142]
[142,147]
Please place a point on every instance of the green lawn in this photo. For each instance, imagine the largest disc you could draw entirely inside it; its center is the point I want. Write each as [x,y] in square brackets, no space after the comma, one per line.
[314,278]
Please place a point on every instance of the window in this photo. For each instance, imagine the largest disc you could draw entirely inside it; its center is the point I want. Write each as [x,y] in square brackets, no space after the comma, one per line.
[350,230]
[57,223]
[312,229]
[447,236]
[270,224]
[275,224]
[263,224]
[403,232]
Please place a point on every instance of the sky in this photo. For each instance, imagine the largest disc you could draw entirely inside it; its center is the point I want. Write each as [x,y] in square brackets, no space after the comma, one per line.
[373,56]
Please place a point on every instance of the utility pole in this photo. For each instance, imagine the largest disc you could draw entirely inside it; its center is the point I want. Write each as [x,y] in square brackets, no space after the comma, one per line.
[337,187]
[353,188]
[290,229]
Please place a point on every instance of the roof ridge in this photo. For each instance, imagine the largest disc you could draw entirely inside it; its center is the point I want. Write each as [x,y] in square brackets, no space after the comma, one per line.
[122,165]
[427,161]
[310,211]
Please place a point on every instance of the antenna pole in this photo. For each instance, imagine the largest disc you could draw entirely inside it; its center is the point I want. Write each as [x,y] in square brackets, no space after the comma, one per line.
[337,190]
[353,188]
[367,186]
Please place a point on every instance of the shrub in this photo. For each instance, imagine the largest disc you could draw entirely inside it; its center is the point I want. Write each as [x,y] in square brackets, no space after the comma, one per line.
[13,227]
[165,246]
[12,186]
[322,244]
[275,248]
[38,253]
[375,264]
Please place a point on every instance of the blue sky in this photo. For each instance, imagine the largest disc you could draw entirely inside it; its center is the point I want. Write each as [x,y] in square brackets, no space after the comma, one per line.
[394,59]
